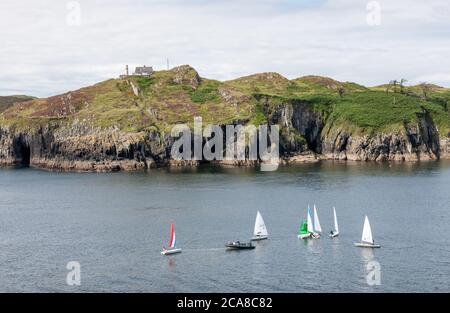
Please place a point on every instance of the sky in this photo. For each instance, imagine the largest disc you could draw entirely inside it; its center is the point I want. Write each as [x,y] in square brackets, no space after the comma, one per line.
[49,47]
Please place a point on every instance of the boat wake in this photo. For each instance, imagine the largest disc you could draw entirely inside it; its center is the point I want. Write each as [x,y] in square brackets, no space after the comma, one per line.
[205,249]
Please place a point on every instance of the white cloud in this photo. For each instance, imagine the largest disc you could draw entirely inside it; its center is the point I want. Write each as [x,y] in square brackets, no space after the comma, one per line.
[41,55]
[444,78]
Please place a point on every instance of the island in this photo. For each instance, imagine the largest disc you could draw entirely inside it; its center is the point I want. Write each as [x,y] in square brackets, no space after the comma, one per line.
[124,124]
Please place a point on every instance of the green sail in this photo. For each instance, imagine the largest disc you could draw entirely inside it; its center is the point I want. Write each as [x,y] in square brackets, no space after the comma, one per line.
[303,228]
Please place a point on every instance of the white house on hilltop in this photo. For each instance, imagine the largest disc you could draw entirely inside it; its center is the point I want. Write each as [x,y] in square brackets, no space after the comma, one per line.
[143,71]
[139,71]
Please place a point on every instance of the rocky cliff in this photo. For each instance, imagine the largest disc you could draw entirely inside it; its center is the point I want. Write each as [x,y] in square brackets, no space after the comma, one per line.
[124,124]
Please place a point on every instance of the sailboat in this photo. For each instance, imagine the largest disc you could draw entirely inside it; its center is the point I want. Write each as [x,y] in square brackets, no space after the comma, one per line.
[172,243]
[260,230]
[367,239]
[306,228]
[303,232]
[335,231]
[317,227]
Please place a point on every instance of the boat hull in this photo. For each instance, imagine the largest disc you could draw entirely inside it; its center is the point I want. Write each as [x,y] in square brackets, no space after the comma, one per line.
[239,246]
[366,245]
[304,236]
[333,235]
[170,251]
[258,238]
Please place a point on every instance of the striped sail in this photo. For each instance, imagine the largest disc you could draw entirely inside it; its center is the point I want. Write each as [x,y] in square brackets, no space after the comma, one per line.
[172,242]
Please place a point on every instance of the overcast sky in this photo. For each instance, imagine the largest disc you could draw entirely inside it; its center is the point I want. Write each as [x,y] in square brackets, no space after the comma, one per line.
[44,52]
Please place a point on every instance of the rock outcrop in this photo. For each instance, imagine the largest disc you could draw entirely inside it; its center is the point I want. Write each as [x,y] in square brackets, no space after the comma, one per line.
[186,75]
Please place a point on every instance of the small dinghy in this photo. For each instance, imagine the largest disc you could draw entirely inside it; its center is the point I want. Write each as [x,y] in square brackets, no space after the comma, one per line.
[306,228]
[335,231]
[172,243]
[237,245]
[260,230]
[303,232]
[367,239]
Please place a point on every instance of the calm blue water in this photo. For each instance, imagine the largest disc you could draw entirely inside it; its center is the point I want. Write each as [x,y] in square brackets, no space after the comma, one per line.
[114,225]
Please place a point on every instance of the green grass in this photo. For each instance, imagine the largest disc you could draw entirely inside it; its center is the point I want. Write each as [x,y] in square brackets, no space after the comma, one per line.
[264,83]
[442,99]
[440,116]
[250,99]
[259,117]
[144,83]
[373,110]
[207,91]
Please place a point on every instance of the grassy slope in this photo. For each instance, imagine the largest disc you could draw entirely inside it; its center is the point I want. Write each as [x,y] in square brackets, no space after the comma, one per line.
[163,102]
[7,101]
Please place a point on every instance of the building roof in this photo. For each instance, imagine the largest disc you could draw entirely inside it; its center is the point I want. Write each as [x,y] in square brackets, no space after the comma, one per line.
[141,70]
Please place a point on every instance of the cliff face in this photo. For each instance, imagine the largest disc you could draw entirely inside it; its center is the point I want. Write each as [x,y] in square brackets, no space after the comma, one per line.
[125,124]
[415,142]
[79,148]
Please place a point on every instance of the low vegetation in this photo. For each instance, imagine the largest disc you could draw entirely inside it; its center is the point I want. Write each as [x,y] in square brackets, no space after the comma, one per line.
[7,101]
[176,96]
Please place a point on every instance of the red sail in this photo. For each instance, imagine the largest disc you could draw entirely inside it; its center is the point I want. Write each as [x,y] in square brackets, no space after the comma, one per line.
[172,236]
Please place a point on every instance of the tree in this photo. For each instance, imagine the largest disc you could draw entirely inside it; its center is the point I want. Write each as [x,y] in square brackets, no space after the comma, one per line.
[394,83]
[402,85]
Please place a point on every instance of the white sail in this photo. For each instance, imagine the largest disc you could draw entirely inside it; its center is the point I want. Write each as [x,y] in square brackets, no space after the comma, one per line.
[309,221]
[336,227]
[317,227]
[260,227]
[367,232]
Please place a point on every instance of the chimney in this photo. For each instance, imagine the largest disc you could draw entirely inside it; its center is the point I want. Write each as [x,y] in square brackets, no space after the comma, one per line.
[126,69]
